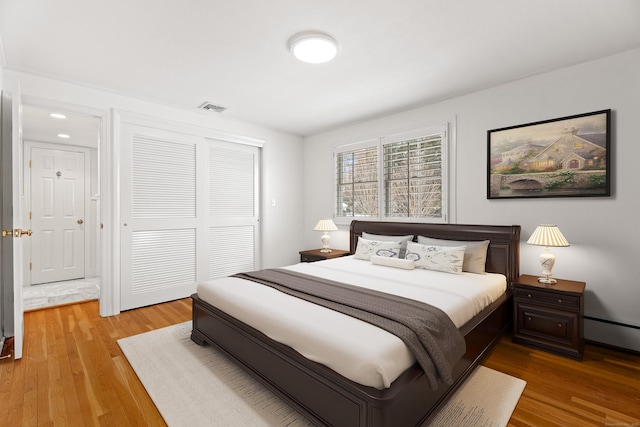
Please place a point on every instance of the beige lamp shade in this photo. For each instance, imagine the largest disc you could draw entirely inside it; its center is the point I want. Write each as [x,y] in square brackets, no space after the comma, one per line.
[547,235]
[325,225]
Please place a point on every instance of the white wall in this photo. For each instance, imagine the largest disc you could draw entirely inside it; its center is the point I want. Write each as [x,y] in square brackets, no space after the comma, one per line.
[280,224]
[603,232]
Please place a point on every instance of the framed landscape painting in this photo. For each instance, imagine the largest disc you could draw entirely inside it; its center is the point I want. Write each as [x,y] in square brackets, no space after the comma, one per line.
[565,157]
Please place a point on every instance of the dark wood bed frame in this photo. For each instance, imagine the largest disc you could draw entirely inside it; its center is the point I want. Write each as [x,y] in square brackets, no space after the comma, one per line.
[327,398]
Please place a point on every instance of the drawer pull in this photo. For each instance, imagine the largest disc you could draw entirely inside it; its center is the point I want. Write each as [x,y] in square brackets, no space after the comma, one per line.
[560,300]
[528,317]
[528,295]
[559,325]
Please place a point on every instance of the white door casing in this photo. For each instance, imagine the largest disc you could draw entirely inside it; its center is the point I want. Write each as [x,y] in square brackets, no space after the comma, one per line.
[58,217]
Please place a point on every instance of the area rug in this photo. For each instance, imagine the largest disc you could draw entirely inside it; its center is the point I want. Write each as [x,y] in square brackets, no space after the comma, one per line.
[194,385]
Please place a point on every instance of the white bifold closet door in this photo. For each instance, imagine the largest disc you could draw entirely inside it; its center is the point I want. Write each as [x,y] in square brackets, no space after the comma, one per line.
[189,213]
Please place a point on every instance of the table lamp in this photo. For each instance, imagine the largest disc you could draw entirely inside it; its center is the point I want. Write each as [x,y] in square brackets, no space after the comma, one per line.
[325,225]
[547,235]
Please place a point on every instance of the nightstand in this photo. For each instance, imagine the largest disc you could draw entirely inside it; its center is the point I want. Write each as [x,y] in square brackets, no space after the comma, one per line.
[314,255]
[549,317]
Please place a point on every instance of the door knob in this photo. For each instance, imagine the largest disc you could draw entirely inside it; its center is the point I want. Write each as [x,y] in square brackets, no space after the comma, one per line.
[80,221]
[16,233]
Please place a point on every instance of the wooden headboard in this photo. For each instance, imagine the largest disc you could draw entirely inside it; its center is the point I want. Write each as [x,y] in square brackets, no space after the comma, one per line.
[503,255]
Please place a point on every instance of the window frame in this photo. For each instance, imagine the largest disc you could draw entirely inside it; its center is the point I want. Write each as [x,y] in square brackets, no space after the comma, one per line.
[441,129]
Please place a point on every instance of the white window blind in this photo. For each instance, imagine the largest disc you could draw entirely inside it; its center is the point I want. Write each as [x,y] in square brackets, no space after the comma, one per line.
[413,178]
[396,177]
[357,192]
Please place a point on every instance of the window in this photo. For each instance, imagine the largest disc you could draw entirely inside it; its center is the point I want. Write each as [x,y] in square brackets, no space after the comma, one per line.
[358,182]
[397,177]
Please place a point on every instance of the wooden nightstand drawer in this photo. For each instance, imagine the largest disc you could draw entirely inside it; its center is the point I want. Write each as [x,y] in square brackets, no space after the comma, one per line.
[310,258]
[548,298]
[547,326]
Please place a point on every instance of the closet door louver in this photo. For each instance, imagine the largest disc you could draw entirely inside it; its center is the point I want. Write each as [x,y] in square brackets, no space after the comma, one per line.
[162,259]
[233,183]
[189,213]
[163,179]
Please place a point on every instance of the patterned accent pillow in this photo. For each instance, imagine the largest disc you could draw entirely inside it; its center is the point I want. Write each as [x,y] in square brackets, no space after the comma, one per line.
[475,253]
[368,248]
[438,258]
[402,239]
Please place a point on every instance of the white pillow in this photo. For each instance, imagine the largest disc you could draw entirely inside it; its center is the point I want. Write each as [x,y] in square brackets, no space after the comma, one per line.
[438,258]
[381,237]
[368,248]
[393,262]
[475,253]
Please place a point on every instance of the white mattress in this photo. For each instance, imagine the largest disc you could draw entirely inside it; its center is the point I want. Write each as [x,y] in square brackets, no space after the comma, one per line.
[357,350]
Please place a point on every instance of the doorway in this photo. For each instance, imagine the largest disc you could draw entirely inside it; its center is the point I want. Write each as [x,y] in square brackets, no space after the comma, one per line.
[61,185]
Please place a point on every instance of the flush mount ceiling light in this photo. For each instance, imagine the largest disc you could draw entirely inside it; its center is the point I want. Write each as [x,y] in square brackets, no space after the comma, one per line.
[313,47]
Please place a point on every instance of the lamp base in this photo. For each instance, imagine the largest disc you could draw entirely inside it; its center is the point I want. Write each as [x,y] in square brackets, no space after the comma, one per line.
[547,280]
[325,242]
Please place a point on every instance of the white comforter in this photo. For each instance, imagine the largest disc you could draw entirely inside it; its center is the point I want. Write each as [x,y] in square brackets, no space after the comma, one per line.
[356,350]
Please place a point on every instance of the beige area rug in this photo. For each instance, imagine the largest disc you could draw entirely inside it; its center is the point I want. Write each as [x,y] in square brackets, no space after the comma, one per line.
[196,385]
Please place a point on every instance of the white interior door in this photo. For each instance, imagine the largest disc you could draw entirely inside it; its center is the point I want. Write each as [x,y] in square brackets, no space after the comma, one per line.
[57,209]
[12,201]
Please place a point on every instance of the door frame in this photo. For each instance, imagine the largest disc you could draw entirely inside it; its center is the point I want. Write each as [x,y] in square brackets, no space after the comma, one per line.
[91,233]
[107,179]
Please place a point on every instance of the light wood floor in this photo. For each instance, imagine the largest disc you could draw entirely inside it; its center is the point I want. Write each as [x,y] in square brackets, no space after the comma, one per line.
[73,373]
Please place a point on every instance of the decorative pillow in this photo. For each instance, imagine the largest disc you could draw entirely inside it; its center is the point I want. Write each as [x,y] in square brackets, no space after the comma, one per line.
[475,253]
[438,258]
[368,248]
[393,262]
[383,238]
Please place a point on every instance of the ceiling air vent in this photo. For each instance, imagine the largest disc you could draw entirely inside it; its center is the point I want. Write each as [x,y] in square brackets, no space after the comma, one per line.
[209,106]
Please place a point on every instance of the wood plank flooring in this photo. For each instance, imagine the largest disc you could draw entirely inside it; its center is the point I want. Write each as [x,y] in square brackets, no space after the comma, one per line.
[74,374]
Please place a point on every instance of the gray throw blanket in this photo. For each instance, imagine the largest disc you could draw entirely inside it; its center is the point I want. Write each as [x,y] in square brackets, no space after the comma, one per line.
[428,332]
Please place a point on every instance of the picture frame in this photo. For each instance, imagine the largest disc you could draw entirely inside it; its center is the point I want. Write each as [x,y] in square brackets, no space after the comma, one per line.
[564,157]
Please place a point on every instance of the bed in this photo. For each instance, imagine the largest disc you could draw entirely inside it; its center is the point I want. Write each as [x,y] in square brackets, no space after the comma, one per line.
[328,398]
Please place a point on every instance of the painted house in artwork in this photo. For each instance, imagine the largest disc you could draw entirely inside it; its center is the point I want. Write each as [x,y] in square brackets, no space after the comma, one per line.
[570,152]
[511,158]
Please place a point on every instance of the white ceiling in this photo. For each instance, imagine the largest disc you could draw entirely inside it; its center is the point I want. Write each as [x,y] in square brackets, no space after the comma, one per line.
[393,55]
[39,126]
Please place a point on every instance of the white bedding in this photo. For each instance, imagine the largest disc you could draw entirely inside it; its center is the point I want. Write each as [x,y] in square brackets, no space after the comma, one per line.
[356,350]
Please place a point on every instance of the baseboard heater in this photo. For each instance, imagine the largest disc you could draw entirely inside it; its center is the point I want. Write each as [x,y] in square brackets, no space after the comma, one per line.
[611,322]
[619,345]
